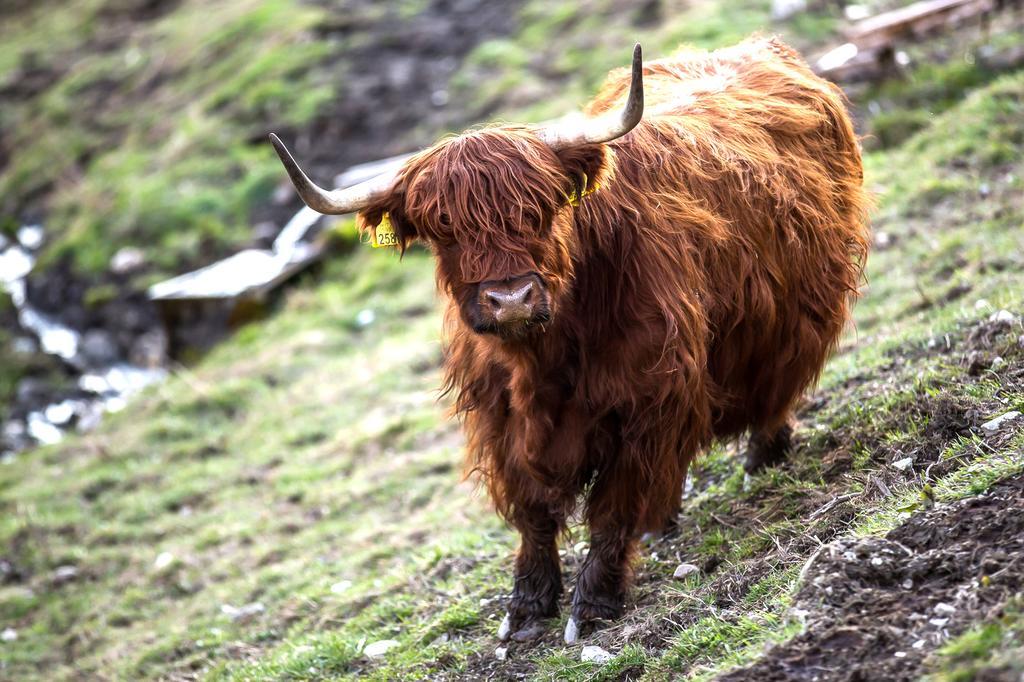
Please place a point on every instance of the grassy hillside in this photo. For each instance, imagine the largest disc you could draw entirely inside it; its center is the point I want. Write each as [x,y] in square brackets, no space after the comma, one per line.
[296,496]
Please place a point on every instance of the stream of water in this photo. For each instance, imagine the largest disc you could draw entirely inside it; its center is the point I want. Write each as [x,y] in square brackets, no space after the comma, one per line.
[101,389]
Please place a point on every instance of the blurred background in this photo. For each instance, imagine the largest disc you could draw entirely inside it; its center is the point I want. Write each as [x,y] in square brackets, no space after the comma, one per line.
[222,450]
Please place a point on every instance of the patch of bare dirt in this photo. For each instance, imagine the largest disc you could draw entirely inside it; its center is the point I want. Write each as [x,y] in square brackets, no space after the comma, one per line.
[876,607]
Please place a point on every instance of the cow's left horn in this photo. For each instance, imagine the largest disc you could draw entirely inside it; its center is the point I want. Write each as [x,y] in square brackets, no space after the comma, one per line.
[333,202]
[608,126]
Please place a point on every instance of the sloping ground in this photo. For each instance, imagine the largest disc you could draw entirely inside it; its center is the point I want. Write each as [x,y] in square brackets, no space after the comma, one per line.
[296,496]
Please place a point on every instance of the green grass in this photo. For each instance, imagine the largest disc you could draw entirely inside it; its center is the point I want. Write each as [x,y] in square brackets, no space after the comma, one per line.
[148,143]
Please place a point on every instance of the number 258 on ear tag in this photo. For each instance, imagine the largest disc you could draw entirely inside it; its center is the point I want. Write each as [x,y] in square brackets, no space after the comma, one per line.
[384,234]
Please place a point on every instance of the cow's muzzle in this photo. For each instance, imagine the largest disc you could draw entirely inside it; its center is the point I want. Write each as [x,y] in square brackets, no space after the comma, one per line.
[510,306]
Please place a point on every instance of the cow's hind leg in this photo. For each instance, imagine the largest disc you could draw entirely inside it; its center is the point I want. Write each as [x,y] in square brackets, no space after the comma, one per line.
[538,578]
[768,447]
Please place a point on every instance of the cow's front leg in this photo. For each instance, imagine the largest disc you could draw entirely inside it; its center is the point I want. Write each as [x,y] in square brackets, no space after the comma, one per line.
[538,578]
[630,496]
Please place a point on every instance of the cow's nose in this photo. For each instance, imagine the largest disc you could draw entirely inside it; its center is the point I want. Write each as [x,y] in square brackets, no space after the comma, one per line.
[510,300]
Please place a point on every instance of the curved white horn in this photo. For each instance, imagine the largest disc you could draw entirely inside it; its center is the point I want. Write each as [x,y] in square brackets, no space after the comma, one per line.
[333,202]
[608,126]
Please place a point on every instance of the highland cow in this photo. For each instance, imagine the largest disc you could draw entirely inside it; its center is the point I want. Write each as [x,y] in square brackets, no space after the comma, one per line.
[624,289]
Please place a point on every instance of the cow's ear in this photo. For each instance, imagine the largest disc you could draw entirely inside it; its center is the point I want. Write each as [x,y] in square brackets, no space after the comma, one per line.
[587,168]
[389,213]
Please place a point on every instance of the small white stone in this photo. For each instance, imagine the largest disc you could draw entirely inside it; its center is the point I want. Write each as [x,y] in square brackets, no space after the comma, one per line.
[918,644]
[239,612]
[1002,316]
[9,635]
[341,587]
[60,413]
[379,648]
[365,317]
[684,570]
[939,622]
[994,425]
[877,561]
[908,584]
[981,303]
[65,574]
[127,259]
[943,607]
[501,653]
[856,12]
[900,654]
[595,654]
[903,464]
[163,560]
[31,237]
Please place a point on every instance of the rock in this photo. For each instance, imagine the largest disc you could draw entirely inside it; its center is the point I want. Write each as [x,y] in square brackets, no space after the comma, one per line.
[996,424]
[127,259]
[365,317]
[149,349]
[341,587]
[283,194]
[903,464]
[163,560]
[784,9]
[1002,316]
[379,648]
[15,264]
[242,612]
[264,234]
[595,654]
[943,607]
[439,97]
[501,653]
[31,236]
[65,574]
[60,414]
[31,391]
[684,570]
[25,345]
[42,430]
[9,635]
[98,348]
[856,12]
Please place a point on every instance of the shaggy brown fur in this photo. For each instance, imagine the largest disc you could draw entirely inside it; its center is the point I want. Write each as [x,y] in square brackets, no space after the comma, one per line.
[693,296]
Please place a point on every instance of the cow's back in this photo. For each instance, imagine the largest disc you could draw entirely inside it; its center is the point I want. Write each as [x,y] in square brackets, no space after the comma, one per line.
[747,167]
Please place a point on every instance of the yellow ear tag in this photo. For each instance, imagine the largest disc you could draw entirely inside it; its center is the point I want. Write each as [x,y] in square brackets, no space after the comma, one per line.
[383,234]
[583,191]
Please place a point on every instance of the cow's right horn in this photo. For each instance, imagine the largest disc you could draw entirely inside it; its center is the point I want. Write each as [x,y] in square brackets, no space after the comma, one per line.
[333,202]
